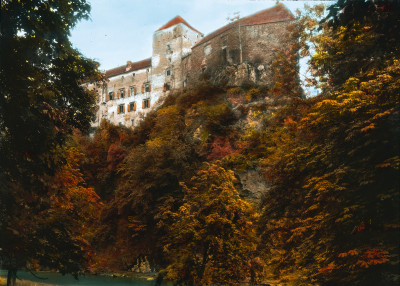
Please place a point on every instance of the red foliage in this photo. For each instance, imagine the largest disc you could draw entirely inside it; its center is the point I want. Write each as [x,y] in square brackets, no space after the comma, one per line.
[220,148]
[236,99]
[116,154]
[363,226]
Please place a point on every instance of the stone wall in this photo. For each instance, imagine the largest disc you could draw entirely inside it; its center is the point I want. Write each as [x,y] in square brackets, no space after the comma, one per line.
[234,56]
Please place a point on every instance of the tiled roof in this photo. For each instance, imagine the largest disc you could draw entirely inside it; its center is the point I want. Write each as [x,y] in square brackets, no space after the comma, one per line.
[175,21]
[275,14]
[128,67]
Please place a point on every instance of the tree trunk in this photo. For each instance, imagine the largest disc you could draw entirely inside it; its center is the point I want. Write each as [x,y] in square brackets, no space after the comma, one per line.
[11,277]
[204,262]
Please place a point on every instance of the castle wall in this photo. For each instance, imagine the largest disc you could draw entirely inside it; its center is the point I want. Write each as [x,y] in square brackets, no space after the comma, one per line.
[262,43]
[219,57]
[121,91]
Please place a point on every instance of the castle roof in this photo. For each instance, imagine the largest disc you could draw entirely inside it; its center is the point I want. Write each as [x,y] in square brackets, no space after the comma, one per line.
[277,13]
[175,21]
[130,66]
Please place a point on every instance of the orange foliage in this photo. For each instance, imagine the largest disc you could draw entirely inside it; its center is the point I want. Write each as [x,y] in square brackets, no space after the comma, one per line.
[328,269]
[69,174]
[352,252]
[373,256]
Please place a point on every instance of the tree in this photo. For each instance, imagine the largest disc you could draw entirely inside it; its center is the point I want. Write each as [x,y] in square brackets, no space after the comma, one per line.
[212,237]
[357,37]
[41,100]
[333,210]
[150,184]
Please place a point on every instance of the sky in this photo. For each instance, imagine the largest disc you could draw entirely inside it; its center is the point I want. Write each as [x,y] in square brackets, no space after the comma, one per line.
[122,30]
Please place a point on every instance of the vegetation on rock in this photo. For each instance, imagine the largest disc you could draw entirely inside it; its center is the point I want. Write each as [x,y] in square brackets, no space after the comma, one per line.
[169,193]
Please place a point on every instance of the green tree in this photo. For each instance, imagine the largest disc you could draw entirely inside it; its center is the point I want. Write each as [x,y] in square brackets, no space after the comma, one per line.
[212,237]
[41,101]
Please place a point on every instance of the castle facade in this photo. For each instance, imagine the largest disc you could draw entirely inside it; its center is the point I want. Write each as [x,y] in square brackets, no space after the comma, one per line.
[238,52]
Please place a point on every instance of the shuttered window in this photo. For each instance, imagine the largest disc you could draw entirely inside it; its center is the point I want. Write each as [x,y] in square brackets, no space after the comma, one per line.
[110,95]
[146,103]
[132,106]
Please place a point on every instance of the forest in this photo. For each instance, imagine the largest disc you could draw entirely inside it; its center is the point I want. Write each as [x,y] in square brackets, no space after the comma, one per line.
[170,195]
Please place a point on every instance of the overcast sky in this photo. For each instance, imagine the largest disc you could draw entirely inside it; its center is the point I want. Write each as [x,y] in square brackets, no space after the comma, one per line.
[122,30]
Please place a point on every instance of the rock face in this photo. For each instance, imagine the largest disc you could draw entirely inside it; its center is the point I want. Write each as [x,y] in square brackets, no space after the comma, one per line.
[142,266]
[253,185]
[236,75]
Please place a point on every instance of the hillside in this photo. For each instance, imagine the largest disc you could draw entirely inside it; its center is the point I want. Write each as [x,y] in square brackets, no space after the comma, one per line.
[259,184]
[141,174]
[248,178]
[219,185]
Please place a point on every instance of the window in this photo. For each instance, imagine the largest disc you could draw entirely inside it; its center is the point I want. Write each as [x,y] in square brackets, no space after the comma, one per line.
[133,90]
[207,49]
[147,87]
[166,87]
[223,41]
[146,103]
[122,92]
[132,106]
[121,108]
[168,72]
[224,55]
[110,95]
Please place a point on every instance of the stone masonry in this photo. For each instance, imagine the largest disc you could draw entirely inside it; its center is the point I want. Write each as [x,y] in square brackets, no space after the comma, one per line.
[239,52]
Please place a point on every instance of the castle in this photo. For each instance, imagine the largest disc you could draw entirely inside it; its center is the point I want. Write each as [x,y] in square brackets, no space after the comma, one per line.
[240,51]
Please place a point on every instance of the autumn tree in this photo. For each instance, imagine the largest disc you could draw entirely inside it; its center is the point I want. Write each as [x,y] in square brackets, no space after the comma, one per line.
[332,213]
[212,237]
[41,101]
[71,212]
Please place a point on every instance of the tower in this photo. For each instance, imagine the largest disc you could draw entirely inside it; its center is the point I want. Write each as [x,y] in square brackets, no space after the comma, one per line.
[171,42]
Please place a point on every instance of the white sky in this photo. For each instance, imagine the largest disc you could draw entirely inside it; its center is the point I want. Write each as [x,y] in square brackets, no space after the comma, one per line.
[122,30]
